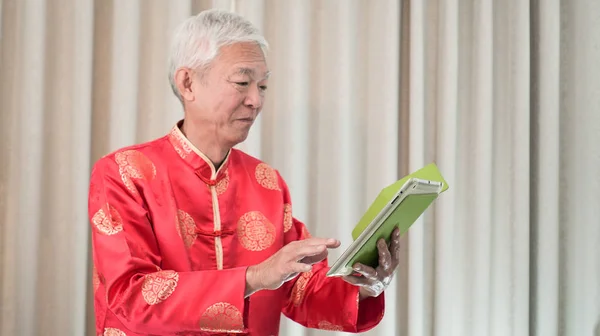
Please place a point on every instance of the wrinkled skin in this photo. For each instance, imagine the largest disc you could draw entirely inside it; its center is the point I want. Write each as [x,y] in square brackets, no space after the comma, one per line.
[297,257]
[222,102]
[291,260]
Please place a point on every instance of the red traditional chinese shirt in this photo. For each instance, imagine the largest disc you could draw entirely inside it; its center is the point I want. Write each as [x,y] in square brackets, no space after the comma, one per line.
[172,238]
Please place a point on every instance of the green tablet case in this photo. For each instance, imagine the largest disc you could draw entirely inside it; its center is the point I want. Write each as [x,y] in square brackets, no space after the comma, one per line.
[403,216]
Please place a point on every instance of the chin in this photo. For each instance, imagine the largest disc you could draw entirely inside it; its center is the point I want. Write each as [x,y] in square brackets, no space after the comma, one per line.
[237,139]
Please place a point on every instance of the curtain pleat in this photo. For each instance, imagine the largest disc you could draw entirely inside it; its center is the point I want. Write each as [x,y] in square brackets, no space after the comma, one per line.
[579,183]
[31,73]
[511,89]
[446,124]
[545,196]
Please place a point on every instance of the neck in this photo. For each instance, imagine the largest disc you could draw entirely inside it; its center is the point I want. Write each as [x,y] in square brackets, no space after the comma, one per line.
[209,147]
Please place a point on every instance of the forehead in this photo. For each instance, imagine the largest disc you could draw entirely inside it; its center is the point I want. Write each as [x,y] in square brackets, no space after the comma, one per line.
[243,59]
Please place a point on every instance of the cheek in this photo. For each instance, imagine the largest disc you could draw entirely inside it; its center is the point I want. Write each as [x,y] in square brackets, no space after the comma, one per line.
[235,102]
[228,108]
[204,100]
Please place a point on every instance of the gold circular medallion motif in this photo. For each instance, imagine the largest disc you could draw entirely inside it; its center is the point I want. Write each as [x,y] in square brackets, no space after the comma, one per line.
[287,217]
[222,184]
[186,228]
[255,231]
[158,286]
[113,332]
[222,317]
[324,325]
[266,176]
[134,164]
[108,224]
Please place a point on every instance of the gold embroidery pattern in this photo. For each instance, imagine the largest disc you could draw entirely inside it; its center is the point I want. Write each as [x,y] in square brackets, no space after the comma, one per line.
[222,317]
[158,286]
[266,176]
[287,217]
[108,224]
[181,147]
[95,278]
[223,184]
[186,228]
[300,288]
[113,332]
[255,231]
[324,325]
[134,165]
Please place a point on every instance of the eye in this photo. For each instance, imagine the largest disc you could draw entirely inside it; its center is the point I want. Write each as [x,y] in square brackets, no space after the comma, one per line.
[263,88]
[242,83]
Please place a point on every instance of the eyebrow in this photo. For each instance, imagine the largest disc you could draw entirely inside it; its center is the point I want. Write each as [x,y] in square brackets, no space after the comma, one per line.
[250,72]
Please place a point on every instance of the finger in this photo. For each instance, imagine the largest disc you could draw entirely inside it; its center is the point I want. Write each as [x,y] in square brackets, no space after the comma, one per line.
[394,236]
[299,268]
[329,242]
[306,251]
[315,258]
[366,271]
[333,243]
[385,258]
[395,248]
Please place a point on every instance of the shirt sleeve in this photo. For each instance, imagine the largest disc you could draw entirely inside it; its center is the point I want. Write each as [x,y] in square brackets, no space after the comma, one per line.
[144,297]
[327,303]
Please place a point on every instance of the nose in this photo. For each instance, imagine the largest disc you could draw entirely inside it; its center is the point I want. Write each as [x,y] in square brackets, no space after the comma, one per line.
[254,98]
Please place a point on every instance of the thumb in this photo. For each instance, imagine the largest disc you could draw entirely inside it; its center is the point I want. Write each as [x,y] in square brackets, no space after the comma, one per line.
[315,258]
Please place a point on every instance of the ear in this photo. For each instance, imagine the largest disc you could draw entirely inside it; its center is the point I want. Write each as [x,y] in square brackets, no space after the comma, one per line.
[184,78]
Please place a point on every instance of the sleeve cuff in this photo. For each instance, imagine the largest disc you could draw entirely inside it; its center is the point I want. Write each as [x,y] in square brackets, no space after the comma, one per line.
[370,312]
[230,316]
[356,316]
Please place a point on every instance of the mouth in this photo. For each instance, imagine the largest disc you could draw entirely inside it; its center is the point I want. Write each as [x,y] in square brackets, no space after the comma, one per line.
[246,120]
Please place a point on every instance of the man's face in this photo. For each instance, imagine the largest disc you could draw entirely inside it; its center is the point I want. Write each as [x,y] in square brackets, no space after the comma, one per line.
[229,96]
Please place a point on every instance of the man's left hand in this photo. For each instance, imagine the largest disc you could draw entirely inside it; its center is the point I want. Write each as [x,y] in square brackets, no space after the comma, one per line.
[373,281]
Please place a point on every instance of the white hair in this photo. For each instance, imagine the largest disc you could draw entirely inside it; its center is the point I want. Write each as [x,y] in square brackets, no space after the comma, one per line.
[197,40]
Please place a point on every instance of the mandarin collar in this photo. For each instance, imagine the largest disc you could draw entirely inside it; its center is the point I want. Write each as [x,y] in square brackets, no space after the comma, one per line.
[202,165]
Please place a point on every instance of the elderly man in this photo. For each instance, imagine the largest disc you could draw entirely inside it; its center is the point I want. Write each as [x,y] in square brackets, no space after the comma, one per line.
[193,237]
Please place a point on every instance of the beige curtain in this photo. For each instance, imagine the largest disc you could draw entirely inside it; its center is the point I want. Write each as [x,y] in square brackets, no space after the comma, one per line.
[504,95]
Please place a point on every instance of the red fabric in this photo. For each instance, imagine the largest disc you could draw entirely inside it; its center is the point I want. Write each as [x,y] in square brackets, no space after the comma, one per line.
[172,239]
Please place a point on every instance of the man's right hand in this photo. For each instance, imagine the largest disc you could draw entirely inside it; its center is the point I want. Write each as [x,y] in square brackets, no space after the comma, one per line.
[292,259]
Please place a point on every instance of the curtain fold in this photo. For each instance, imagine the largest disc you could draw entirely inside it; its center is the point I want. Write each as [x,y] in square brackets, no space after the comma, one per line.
[508,86]
[545,205]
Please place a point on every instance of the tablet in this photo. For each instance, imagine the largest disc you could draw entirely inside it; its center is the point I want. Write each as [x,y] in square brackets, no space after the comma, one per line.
[400,209]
